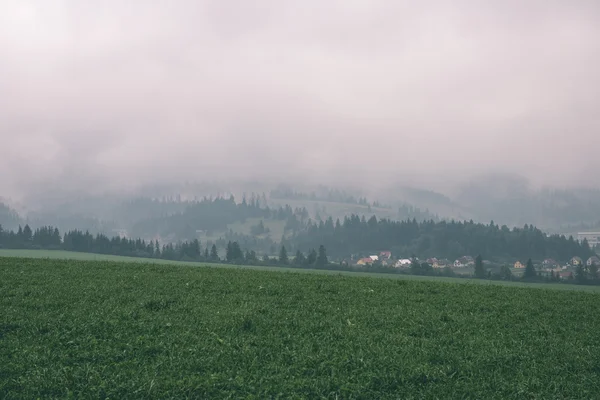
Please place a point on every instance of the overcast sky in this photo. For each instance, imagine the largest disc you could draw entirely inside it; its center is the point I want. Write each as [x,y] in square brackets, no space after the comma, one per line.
[105,93]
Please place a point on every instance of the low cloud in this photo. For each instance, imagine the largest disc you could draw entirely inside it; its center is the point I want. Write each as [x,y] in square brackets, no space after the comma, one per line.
[112,94]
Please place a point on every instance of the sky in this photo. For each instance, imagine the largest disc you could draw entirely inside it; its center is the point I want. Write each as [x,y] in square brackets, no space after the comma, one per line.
[116,93]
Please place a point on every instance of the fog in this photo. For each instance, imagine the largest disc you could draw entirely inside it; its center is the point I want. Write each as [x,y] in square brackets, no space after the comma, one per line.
[112,94]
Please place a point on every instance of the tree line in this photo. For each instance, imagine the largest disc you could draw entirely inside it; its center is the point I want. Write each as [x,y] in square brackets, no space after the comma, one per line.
[357,235]
[49,238]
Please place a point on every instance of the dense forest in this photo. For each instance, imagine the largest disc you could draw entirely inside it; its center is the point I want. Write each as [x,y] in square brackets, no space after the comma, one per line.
[407,211]
[322,193]
[356,235]
[211,215]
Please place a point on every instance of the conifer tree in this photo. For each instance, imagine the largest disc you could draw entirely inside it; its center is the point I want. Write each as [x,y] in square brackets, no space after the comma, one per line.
[479,268]
[214,255]
[530,272]
[299,259]
[283,256]
[322,257]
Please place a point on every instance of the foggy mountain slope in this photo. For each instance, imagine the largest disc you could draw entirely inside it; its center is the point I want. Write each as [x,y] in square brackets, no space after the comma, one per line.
[513,201]
[9,218]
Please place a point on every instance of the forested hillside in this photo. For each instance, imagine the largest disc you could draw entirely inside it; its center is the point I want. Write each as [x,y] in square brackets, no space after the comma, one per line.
[357,235]
[212,216]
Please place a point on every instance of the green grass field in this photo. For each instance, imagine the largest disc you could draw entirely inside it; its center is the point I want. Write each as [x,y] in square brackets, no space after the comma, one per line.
[105,329]
[69,255]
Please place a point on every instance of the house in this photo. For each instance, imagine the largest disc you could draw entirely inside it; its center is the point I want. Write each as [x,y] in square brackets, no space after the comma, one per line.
[593,261]
[441,263]
[374,258]
[432,260]
[464,261]
[566,275]
[549,263]
[576,261]
[519,265]
[385,255]
[467,260]
[365,261]
[403,263]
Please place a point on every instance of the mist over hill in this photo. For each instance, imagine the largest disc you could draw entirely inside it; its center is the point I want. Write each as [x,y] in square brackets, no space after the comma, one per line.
[117,115]
[505,199]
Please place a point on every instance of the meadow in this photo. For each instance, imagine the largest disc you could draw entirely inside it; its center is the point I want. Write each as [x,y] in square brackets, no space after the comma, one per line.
[72,255]
[108,329]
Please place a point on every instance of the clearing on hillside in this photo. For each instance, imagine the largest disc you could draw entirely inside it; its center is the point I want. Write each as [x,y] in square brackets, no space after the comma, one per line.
[108,329]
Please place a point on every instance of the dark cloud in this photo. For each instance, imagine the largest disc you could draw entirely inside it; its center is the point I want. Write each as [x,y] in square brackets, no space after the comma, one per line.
[108,94]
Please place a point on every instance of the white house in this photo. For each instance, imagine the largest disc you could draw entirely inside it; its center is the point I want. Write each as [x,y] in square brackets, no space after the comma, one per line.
[593,261]
[403,263]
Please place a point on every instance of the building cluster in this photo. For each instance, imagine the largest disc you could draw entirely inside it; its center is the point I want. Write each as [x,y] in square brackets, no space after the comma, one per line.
[547,266]
[385,258]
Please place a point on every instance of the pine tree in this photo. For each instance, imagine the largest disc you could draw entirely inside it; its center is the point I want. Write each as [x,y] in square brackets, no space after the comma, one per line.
[322,257]
[311,259]
[237,253]
[593,270]
[506,273]
[530,272]
[229,252]
[27,234]
[214,255]
[580,276]
[479,268]
[299,259]
[415,266]
[283,256]
[195,250]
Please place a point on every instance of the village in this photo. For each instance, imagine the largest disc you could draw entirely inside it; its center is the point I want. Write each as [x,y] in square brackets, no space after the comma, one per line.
[465,265]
